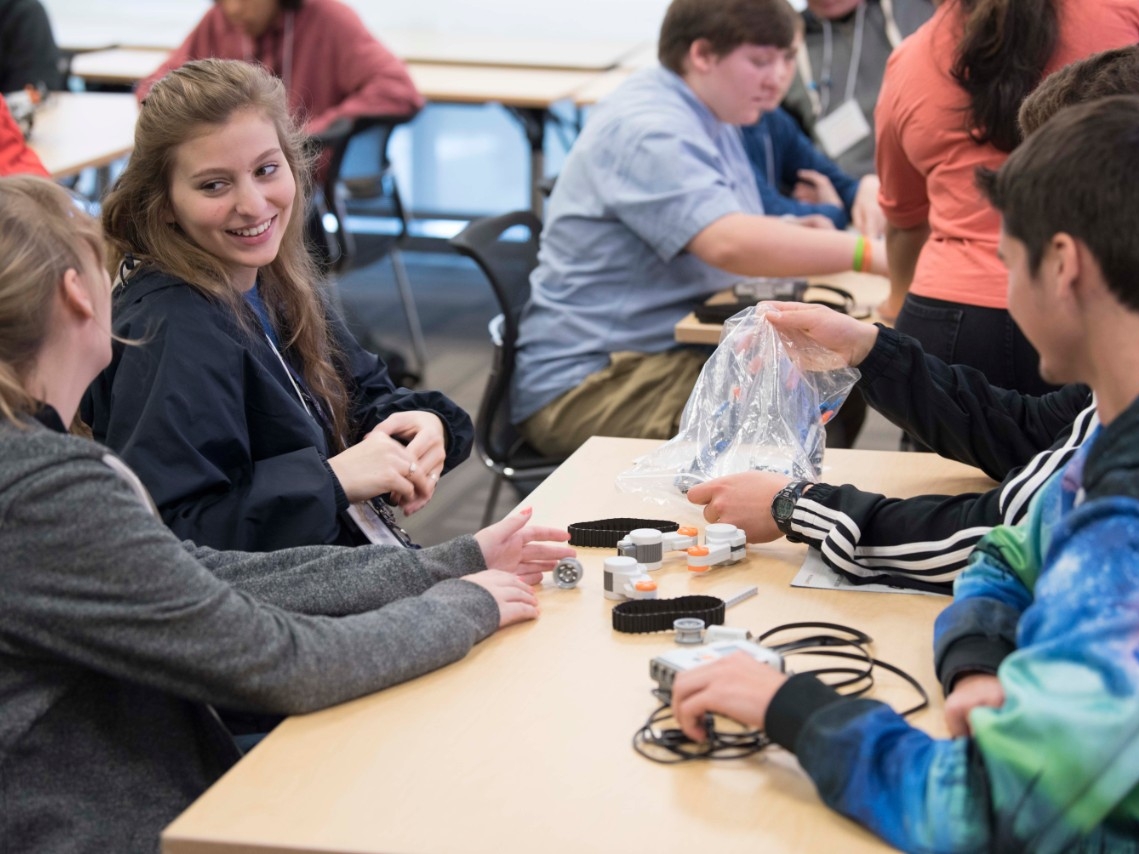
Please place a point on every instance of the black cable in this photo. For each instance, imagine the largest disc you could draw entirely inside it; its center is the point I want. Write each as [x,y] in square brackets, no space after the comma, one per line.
[669,745]
[672,746]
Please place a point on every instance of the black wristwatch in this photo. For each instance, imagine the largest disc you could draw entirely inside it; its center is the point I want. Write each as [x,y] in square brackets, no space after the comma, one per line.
[783,505]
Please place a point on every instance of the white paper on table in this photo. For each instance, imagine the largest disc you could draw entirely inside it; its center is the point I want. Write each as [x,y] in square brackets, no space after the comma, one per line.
[816,574]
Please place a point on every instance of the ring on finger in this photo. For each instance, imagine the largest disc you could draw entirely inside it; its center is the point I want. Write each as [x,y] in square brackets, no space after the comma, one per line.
[411,467]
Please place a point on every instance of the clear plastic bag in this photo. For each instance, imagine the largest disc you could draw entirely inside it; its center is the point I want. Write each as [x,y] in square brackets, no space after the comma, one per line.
[760,403]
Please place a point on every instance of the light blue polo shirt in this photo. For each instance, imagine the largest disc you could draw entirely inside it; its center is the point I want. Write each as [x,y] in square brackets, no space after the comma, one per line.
[651,170]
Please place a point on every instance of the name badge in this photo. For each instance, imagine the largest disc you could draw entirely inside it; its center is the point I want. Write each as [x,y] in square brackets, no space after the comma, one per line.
[839,131]
[372,526]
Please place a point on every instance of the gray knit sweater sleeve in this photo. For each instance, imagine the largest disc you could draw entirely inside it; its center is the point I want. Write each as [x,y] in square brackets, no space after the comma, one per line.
[94,580]
[337,580]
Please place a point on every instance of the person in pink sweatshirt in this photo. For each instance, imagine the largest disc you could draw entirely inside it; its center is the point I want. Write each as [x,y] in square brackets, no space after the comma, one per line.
[332,67]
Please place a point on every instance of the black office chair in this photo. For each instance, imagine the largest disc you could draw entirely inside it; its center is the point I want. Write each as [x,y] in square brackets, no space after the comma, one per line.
[378,194]
[507,264]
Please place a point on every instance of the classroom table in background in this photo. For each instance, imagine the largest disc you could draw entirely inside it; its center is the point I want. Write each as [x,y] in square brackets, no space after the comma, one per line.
[601,86]
[117,66]
[74,131]
[476,49]
[527,93]
[524,745]
[867,289]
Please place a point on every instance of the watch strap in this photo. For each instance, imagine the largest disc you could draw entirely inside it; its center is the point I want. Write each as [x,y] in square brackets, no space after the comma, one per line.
[791,492]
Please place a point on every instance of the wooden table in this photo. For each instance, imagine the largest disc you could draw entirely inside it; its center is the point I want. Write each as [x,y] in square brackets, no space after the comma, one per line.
[525,745]
[475,49]
[119,66]
[527,93]
[601,85]
[74,131]
[868,291]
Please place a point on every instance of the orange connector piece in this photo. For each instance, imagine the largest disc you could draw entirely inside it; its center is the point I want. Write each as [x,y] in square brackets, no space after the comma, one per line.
[697,551]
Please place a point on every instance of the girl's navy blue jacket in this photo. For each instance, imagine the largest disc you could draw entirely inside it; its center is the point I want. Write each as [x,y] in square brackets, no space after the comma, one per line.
[204,412]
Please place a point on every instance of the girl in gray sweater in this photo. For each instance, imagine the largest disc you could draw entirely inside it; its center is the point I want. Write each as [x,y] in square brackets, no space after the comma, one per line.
[117,640]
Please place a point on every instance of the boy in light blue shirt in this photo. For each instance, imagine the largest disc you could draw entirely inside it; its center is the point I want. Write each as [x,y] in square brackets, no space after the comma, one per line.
[656,209]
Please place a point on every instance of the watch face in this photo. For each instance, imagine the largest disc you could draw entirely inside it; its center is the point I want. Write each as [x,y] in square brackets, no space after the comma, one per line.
[783,506]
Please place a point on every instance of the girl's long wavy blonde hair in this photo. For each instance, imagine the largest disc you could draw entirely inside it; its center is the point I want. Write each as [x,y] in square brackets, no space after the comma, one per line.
[42,233]
[200,95]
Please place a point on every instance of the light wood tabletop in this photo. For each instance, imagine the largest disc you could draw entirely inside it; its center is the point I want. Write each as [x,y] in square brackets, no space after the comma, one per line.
[528,93]
[482,49]
[525,745]
[481,84]
[601,85]
[449,82]
[120,65]
[867,289]
[79,130]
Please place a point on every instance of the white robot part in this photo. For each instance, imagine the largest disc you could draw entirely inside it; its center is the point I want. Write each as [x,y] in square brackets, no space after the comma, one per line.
[648,545]
[724,544]
[625,578]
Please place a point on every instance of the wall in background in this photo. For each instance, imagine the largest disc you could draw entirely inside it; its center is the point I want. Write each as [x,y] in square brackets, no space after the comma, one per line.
[456,159]
[564,19]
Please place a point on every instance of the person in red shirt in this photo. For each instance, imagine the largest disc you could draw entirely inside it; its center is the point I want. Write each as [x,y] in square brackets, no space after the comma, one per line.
[332,67]
[15,156]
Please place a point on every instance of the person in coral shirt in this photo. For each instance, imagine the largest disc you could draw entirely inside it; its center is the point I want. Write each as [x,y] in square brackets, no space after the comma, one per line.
[948,105]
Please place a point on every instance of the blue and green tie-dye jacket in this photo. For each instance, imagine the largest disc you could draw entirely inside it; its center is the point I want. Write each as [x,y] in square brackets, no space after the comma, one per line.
[1053,606]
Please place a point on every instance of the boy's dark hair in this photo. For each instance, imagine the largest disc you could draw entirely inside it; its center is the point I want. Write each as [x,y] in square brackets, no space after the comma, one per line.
[726,24]
[1110,72]
[1076,175]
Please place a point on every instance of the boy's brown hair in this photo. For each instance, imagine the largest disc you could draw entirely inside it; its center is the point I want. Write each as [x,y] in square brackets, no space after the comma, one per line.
[1110,72]
[725,24]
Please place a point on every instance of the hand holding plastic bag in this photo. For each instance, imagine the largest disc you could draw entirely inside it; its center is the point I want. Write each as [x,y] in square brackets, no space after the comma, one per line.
[760,403]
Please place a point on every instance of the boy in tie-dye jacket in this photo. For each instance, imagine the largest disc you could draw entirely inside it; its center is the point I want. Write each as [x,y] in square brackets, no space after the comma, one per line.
[1039,652]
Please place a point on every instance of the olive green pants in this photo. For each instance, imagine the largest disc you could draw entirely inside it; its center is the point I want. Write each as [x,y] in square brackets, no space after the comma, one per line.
[639,395]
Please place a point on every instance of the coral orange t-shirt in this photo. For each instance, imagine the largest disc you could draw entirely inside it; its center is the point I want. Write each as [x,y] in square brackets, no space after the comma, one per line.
[926,159]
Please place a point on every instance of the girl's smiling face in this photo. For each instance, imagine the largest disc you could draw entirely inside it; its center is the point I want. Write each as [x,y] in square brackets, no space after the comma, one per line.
[232,193]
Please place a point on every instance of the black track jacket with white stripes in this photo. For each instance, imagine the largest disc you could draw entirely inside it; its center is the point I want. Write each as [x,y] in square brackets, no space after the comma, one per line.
[924,541]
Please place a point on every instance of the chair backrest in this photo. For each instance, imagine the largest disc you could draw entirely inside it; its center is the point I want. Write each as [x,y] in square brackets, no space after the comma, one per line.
[335,246]
[506,249]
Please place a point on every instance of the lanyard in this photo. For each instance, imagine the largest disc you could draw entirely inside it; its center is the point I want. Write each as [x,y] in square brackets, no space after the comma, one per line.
[286,51]
[820,104]
[376,506]
[769,153]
